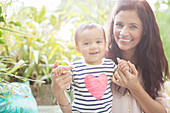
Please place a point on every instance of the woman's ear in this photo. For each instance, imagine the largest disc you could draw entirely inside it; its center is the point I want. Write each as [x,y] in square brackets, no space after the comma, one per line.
[144,33]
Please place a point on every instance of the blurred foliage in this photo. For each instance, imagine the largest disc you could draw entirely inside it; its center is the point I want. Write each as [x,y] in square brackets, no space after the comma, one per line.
[162,14]
[37,38]
[31,40]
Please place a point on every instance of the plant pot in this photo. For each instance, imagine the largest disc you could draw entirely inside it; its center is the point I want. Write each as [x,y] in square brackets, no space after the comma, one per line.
[43,94]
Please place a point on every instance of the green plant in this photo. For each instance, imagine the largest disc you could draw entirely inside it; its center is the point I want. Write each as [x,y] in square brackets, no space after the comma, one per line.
[41,46]
[38,35]
[163,17]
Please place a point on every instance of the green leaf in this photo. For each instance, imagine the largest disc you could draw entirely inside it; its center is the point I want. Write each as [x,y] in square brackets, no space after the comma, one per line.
[15,23]
[2,42]
[17,66]
[46,62]
[29,70]
[41,15]
[2,19]
[0,10]
[36,56]
[18,32]
[53,20]
[0,34]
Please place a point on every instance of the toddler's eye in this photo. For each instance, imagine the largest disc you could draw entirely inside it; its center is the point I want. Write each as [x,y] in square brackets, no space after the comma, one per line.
[99,42]
[86,43]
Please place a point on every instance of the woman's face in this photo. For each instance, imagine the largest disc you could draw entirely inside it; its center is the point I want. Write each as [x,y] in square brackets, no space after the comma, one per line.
[127,30]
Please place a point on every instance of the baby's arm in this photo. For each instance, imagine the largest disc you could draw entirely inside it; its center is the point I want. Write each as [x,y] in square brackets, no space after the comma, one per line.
[123,65]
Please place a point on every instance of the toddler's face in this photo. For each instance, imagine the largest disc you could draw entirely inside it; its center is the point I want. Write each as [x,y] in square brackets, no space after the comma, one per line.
[91,44]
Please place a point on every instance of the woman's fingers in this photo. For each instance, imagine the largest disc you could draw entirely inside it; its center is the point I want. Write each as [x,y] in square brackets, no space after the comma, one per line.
[123,77]
[116,77]
[126,78]
[60,83]
[122,64]
[133,68]
[119,78]
[68,80]
[63,81]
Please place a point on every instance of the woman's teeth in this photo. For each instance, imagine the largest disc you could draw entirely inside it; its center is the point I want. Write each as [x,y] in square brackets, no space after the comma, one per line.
[125,40]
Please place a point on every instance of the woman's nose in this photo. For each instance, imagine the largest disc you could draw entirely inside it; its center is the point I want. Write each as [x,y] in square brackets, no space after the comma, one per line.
[124,31]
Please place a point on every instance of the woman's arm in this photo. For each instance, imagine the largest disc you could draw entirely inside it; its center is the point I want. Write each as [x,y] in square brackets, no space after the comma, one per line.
[130,81]
[148,104]
[59,84]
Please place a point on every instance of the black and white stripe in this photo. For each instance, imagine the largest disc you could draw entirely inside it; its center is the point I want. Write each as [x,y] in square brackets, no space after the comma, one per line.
[84,101]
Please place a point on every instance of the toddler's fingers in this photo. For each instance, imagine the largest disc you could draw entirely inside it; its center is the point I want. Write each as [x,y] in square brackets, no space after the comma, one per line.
[123,65]
[67,68]
[121,61]
[125,68]
[60,70]
[55,64]
[118,59]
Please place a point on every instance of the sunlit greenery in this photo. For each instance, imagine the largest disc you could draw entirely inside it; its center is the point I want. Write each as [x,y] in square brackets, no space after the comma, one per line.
[163,19]
[38,37]
[31,40]
[34,36]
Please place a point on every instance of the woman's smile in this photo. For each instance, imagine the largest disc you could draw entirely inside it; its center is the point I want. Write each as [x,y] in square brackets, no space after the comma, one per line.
[127,30]
[125,40]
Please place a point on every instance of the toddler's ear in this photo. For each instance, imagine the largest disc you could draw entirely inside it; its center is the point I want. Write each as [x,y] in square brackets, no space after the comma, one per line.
[77,48]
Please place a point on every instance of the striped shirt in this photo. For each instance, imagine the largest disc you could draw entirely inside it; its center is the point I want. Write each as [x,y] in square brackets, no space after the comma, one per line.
[91,85]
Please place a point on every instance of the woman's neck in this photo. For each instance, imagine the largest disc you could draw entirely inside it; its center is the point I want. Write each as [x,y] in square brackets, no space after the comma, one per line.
[129,56]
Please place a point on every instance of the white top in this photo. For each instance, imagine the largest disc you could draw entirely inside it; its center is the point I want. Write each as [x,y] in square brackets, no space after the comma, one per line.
[128,104]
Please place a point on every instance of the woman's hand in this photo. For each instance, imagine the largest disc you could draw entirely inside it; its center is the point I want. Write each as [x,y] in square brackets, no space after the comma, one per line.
[125,78]
[60,82]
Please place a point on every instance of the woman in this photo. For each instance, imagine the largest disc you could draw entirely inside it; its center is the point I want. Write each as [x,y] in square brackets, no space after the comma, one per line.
[134,36]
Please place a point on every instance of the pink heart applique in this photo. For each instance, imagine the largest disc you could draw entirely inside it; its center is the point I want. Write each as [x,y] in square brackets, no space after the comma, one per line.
[96,86]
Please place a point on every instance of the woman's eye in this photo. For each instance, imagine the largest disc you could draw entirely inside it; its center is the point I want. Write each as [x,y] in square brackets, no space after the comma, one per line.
[119,25]
[133,27]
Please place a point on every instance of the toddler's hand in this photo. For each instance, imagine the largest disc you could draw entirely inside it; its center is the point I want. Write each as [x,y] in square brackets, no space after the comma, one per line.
[60,70]
[123,65]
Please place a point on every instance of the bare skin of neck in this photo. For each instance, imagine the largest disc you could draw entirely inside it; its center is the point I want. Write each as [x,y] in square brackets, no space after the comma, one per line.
[129,56]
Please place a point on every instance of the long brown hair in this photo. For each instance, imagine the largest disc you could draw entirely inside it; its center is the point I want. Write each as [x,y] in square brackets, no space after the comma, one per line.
[149,52]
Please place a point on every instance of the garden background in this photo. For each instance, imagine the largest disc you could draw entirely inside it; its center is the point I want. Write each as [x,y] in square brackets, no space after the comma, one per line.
[33,37]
